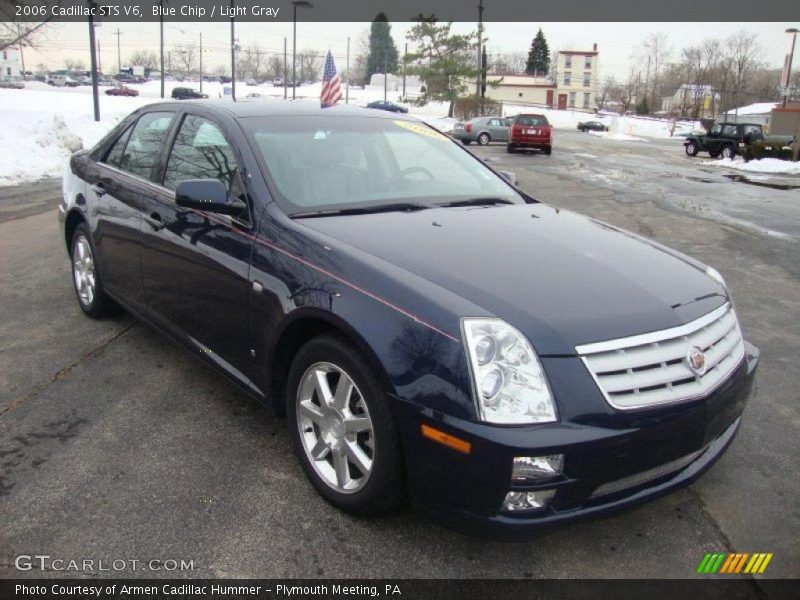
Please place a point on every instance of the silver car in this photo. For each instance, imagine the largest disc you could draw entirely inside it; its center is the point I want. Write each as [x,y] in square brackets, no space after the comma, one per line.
[482,130]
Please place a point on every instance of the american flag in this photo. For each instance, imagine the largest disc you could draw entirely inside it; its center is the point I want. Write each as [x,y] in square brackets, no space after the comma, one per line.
[331,84]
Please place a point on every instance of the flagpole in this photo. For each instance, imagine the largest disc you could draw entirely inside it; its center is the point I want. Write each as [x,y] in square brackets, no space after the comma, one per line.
[347,82]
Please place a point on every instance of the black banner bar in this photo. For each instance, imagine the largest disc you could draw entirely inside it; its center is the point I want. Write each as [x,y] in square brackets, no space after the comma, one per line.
[587,11]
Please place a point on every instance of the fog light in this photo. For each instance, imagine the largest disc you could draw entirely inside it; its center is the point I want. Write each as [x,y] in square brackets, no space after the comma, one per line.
[532,501]
[537,468]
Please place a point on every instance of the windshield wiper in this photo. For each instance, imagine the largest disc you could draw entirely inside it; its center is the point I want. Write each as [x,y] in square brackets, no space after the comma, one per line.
[482,201]
[362,210]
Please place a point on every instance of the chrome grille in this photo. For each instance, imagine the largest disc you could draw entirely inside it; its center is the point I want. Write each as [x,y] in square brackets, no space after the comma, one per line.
[653,369]
[645,476]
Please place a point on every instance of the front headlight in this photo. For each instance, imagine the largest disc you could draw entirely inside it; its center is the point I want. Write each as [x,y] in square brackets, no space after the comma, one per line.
[510,385]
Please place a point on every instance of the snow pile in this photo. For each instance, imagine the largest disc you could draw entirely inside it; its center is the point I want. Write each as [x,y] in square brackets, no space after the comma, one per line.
[617,136]
[765,165]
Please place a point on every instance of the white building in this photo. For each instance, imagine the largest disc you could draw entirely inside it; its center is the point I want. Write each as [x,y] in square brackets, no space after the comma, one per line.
[10,62]
[695,101]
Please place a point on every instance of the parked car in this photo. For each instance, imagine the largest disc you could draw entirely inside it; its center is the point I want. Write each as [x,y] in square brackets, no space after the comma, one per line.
[254,95]
[482,130]
[62,81]
[592,126]
[277,82]
[14,83]
[388,106]
[530,131]
[122,91]
[512,372]
[224,79]
[251,82]
[184,93]
[104,82]
[724,139]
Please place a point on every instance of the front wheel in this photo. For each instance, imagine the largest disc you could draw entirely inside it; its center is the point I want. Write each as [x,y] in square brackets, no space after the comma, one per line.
[483,139]
[728,152]
[466,142]
[85,276]
[511,148]
[691,149]
[342,427]
[548,150]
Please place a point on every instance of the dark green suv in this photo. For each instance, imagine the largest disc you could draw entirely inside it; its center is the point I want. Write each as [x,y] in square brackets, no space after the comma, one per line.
[724,139]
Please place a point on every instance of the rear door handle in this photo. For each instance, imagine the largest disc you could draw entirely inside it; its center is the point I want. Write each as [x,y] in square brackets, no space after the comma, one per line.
[98,189]
[154,220]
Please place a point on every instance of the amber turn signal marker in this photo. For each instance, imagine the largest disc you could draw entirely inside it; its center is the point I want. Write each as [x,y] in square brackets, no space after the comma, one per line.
[446,439]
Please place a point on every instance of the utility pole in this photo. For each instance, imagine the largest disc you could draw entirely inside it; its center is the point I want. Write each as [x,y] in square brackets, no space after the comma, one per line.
[201,62]
[21,55]
[405,64]
[480,53]
[790,58]
[385,75]
[95,96]
[347,81]
[285,71]
[119,53]
[161,28]
[233,58]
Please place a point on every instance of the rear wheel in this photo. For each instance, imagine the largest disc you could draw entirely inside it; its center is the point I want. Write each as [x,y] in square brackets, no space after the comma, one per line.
[691,149]
[466,142]
[728,151]
[342,428]
[714,153]
[85,276]
[511,148]
[548,150]
[483,139]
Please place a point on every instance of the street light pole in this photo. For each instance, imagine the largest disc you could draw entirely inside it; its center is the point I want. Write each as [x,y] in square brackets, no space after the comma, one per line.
[95,96]
[285,69]
[201,62]
[793,31]
[347,81]
[161,29]
[233,59]
[296,3]
[119,53]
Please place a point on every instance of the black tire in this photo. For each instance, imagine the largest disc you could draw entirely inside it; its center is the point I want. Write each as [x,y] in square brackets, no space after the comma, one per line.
[484,139]
[100,304]
[385,487]
[728,151]
[466,142]
[548,150]
[691,148]
[511,148]
[714,153]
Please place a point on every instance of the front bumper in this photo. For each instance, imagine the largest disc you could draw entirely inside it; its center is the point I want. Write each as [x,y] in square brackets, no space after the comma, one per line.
[608,466]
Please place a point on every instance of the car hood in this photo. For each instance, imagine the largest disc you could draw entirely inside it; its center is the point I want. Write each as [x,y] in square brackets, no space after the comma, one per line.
[561,278]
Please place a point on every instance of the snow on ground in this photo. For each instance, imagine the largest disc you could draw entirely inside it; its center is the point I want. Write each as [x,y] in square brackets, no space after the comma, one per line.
[765,165]
[610,135]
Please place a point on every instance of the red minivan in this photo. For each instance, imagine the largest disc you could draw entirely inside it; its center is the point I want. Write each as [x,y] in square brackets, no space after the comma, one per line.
[530,131]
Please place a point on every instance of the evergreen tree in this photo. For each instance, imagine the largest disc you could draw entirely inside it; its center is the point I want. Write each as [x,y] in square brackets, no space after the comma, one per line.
[382,51]
[538,56]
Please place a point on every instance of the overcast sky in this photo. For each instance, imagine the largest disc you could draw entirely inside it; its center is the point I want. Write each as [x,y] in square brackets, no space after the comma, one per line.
[616,41]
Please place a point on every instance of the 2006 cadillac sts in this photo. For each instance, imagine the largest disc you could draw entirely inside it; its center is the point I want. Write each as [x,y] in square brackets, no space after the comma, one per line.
[429,329]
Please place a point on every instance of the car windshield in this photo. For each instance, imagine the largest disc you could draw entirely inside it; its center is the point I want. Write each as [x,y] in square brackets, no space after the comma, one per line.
[531,120]
[319,163]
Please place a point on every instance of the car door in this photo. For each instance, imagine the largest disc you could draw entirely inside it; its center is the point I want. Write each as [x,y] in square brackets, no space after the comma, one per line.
[195,265]
[118,187]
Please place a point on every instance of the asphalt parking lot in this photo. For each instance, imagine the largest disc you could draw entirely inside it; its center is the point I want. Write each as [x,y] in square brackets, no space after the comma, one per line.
[118,445]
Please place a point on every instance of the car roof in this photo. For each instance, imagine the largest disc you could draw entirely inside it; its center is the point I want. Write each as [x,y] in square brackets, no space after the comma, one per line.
[278,107]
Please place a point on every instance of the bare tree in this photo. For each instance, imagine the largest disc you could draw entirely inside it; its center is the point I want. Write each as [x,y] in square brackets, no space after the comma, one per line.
[146,58]
[510,63]
[742,51]
[186,56]
[655,51]
[274,66]
[606,91]
[309,65]
[74,64]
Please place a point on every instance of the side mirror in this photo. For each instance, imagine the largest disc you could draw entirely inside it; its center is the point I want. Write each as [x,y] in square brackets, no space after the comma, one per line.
[206,194]
[510,177]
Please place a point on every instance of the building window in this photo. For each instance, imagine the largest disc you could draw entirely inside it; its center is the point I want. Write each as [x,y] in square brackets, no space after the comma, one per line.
[588,63]
[8,71]
[520,94]
[572,98]
[568,61]
[567,79]
[586,97]
[587,79]
[5,55]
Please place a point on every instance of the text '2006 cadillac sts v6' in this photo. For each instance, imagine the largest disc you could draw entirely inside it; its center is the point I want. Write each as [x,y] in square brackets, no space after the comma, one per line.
[429,330]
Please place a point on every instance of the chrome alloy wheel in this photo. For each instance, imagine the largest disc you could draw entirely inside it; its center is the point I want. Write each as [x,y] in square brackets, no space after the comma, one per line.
[335,427]
[83,270]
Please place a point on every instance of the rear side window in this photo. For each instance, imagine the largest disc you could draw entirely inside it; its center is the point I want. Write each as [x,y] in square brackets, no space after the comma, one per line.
[145,142]
[201,151]
[531,120]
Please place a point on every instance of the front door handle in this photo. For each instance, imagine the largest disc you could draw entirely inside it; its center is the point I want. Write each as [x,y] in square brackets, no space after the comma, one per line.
[154,220]
[98,189]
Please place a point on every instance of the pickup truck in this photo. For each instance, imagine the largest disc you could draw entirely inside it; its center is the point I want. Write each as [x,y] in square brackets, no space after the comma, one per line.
[724,139]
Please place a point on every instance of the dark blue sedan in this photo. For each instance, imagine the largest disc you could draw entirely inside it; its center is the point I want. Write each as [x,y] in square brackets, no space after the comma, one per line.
[387,106]
[429,330]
